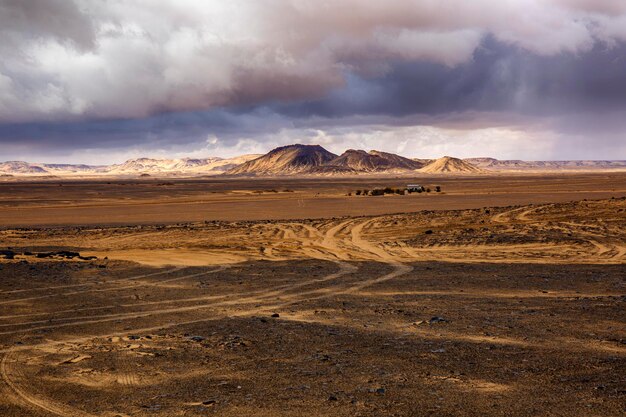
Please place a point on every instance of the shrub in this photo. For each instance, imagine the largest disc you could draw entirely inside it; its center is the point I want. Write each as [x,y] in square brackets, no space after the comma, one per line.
[366,192]
[438,188]
[378,191]
[428,190]
[358,192]
[388,190]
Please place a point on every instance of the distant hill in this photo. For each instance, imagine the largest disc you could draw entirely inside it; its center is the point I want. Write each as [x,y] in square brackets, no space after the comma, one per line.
[302,160]
[314,159]
[205,166]
[73,168]
[373,161]
[138,166]
[291,159]
[450,165]
[518,165]
[21,167]
[399,161]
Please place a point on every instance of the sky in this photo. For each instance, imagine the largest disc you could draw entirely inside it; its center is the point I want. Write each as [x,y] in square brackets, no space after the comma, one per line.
[90,81]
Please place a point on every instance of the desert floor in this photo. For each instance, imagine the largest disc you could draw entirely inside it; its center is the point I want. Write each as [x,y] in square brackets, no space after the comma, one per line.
[500,296]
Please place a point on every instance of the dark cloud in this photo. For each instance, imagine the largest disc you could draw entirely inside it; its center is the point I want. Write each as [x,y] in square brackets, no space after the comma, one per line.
[497,78]
[165,75]
[118,59]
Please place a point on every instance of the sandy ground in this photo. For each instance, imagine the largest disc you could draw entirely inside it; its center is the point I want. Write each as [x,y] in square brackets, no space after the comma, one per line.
[515,310]
[154,201]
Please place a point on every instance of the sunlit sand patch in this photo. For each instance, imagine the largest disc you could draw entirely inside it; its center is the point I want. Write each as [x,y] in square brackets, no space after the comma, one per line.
[475,385]
[175,257]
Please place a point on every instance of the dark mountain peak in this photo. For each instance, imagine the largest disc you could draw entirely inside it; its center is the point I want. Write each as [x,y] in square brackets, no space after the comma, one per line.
[290,159]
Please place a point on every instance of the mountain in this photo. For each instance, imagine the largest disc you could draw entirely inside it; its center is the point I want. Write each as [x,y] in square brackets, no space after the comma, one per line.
[373,161]
[291,159]
[139,165]
[223,165]
[313,159]
[21,167]
[517,165]
[451,165]
[300,159]
[207,166]
[190,166]
[398,161]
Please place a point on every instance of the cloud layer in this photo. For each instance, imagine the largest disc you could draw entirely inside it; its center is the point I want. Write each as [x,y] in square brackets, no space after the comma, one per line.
[166,73]
[132,59]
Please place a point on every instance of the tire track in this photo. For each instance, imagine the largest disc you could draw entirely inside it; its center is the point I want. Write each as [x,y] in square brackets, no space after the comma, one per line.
[16,381]
[91,283]
[131,279]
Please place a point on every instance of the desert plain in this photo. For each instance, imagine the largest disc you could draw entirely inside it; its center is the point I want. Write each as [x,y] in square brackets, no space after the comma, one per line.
[500,295]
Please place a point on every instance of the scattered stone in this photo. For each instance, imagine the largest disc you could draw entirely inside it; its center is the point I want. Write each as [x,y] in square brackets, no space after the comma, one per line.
[379,390]
[196,338]
[62,253]
[437,319]
[332,398]
[76,359]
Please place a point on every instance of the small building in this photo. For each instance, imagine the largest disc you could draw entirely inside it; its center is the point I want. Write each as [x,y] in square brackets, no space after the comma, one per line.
[414,188]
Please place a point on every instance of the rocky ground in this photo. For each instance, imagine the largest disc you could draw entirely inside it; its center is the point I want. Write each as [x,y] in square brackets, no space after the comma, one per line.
[495,311]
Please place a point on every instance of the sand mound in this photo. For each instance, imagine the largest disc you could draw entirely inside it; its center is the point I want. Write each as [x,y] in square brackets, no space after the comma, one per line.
[448,164]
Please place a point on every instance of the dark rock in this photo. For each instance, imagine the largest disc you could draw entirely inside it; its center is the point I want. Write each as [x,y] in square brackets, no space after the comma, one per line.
[428,232]
[437,319]
[68,254]
[196,338]
[275,315]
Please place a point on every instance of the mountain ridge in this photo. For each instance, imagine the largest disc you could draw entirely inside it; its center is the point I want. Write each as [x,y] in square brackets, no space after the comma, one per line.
[303,160]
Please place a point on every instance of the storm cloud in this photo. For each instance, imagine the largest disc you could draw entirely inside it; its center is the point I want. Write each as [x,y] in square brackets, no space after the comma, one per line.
[172,75]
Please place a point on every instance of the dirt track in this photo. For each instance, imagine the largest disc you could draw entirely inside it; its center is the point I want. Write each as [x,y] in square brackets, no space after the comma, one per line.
[531,301]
